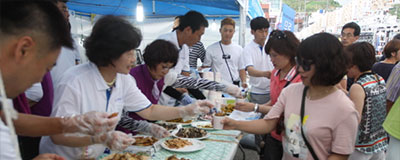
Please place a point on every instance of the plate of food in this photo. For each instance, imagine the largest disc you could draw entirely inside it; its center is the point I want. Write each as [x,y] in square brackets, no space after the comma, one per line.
[177,121]
[144,140]
[168,126]
[124,156]
[192,133]
[183,145]
[206,125]
[173,157]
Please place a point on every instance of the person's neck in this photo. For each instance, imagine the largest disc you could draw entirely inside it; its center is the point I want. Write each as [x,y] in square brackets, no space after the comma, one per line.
[359,74]
[226,42]
[180,37]
[390,60]
[261,43]
[285,70]
[151,73]
[318,92]
[108,73]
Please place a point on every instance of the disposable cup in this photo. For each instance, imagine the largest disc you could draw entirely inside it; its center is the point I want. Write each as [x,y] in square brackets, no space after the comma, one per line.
[240,100]
[217,122]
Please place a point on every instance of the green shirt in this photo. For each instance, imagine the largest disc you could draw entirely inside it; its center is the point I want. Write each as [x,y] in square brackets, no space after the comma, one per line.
[392,122]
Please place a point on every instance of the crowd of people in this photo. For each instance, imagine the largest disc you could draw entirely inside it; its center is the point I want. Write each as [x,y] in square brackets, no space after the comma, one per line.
[321,98]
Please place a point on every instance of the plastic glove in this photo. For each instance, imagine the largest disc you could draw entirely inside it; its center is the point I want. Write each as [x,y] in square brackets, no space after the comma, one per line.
[143,126]
[195,109]
[233,90]
[92,123]
[115,140]
[158,131]
[186,99]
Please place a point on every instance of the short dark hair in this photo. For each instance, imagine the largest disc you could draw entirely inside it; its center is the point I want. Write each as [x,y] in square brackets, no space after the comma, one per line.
[193,19]
[284,43]
[35,16]
[326,53]
[111,37]
[160,51]
[391,46]
[354,26]
[259,23]
[397,36]
[361,54]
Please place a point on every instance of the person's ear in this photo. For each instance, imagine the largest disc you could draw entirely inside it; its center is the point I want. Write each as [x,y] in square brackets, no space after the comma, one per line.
[252,32]
[188,30]
[393,54]
[25,47]
[357,37]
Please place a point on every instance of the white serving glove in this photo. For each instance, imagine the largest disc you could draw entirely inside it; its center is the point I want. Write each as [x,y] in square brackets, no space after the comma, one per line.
[233,90]
[91,123]
[195,109]
[115,140]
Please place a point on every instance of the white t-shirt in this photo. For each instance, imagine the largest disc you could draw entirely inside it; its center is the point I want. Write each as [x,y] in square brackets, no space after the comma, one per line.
[66,59]
[35,93]
[218,64]
[181,65]
[183,60]
[255,56]
[83,89]
[7,150]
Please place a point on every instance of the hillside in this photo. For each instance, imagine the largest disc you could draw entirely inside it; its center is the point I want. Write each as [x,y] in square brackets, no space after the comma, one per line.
[312,6]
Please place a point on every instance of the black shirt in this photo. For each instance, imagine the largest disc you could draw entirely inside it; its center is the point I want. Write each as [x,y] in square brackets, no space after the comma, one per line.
[383,69]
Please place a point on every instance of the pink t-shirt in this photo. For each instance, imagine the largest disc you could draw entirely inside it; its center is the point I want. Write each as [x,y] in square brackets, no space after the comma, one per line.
[331,123]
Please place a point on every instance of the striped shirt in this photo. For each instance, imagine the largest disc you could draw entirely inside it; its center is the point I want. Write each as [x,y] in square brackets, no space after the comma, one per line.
[195,52]
[131,125]
[393,84]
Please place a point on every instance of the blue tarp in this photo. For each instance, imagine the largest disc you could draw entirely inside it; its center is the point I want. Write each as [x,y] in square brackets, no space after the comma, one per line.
[164,8]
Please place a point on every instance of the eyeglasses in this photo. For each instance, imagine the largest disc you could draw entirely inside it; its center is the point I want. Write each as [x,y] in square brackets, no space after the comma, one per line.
[305,64]
[348,35]
[278,34]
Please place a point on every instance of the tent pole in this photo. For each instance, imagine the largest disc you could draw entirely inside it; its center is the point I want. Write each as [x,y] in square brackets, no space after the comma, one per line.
[242,28]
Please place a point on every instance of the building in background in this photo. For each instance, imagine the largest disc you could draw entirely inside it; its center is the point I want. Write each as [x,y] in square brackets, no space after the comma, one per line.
[265,8]
[275,7]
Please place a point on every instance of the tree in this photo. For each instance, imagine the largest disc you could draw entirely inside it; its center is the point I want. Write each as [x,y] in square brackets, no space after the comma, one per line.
[395,10]
[312,6]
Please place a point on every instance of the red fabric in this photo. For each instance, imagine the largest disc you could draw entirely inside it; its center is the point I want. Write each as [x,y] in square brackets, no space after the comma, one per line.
[276,88]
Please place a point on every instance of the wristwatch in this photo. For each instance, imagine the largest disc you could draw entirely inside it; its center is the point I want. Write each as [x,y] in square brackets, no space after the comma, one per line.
[256,108]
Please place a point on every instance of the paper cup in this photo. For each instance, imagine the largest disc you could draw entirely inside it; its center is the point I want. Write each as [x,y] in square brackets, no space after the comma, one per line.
[240,100]
[216,122]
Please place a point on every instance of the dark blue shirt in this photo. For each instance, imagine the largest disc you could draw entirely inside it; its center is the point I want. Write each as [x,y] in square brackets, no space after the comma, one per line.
[383,69]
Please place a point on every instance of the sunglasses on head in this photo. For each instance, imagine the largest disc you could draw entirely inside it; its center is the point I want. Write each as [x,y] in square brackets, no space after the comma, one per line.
[304,63]
[278,34]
